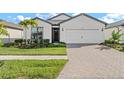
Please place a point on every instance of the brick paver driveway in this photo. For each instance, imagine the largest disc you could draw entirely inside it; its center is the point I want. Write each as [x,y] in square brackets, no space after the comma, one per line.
[93,61]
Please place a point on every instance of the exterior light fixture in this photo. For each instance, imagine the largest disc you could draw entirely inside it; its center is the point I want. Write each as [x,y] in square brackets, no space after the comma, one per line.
[62,29]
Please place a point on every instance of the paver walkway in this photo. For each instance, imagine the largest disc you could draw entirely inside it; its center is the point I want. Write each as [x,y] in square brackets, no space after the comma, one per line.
[41,57]
[93,61]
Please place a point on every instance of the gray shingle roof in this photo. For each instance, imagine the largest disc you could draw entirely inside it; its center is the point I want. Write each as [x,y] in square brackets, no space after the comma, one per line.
[85,15]
[118,23]
[55,22]
[11,25]
[42,20]
[58,15]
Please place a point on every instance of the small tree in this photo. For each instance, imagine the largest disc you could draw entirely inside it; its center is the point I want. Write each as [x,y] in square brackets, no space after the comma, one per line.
[3,31]
[116,36]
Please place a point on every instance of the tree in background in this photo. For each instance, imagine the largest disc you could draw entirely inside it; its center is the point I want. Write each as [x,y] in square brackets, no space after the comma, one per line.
[3,31]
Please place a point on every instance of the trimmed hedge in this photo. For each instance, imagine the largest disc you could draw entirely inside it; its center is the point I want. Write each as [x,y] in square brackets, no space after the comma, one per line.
[8,44]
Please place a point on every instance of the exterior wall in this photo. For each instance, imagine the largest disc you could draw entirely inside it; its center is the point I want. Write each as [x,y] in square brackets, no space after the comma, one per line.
[13,34]
[82,22]
[108,32]
[27,33]
[47,29]
[61,17]
[123,34]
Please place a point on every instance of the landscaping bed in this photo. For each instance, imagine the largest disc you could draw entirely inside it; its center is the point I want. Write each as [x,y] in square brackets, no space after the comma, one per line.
[119,47]
[31,69]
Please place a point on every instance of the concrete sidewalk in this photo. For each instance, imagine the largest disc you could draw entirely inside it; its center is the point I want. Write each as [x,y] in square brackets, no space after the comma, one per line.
[22,57]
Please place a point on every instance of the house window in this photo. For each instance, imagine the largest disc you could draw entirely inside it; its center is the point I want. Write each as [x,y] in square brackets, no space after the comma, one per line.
[37,29]
[37,33]
[40,29]
[34,29]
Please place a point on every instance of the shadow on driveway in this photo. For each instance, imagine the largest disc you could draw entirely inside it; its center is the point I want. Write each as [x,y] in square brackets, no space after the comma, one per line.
[102,47]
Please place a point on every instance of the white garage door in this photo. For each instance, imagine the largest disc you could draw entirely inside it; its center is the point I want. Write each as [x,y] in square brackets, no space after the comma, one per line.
[84,36]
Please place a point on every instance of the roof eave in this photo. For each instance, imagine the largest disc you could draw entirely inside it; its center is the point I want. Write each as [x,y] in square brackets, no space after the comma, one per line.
[42,20]
[58,15]
[95,18]
[84,15]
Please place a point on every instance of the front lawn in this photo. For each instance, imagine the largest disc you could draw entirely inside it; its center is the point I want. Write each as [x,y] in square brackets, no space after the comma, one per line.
[35,51]
[31,69]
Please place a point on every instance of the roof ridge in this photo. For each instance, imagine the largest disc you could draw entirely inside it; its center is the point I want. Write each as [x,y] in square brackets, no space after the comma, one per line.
[84,15]
[58,15]
[114,24]
[42,19]
[11,24]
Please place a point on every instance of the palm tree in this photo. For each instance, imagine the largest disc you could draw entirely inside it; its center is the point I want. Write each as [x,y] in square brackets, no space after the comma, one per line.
[26,24]
[32,23]
[3,31]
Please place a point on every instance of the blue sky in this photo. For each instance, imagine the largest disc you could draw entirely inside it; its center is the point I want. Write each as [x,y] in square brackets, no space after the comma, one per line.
[17,17]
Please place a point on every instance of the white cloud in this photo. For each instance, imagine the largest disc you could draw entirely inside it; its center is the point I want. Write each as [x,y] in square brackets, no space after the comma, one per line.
[39,15]
[21,18]
[27,18]
[46,16]
[53,14]
[110,18]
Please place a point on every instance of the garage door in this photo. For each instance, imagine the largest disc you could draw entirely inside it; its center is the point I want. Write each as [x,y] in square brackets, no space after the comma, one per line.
[84,36]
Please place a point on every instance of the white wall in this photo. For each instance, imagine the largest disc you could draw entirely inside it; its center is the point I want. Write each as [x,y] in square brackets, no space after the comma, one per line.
[47,29]
[122,29]
[13,34]
[82,22]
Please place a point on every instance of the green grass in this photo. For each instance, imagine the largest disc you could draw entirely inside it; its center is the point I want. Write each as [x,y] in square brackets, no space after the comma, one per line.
[119,47]
[31,69]
[37,51]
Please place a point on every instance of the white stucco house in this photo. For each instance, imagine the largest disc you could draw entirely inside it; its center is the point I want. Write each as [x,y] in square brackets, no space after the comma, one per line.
[114,26]
[14,30]
[64,28]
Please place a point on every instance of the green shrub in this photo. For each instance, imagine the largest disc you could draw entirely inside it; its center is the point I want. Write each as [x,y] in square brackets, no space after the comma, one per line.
[35,41]
[45,42]
[108,41]
[29,41]
[8,44]
[1,43]
[18,40]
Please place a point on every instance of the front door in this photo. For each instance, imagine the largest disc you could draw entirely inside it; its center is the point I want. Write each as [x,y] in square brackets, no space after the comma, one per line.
[55,35]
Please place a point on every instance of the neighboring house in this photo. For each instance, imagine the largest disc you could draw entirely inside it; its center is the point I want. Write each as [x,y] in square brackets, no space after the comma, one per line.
[114,26]
[14,30]
[64,28]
